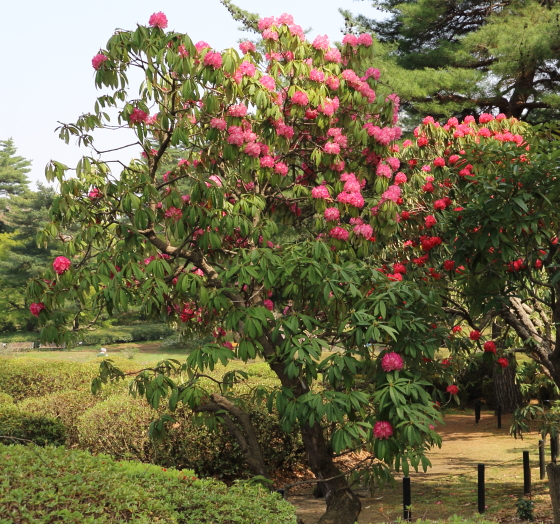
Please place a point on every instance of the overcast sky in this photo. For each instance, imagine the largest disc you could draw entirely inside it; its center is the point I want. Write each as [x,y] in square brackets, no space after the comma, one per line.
[48,45]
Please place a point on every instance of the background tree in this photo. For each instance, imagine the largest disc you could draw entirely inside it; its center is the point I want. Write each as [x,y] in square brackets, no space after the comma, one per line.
[456,58]
[13,169]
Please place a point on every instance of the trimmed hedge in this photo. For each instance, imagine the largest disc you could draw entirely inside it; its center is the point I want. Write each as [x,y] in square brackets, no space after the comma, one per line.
[21,425]
[133,333]
[75,487]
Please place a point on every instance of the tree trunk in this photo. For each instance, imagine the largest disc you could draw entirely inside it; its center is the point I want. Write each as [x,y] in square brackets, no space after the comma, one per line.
[343,506]
[508,394]
[553,472]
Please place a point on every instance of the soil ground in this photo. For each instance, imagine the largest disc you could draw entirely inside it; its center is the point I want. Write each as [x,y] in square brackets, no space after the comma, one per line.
[450,486]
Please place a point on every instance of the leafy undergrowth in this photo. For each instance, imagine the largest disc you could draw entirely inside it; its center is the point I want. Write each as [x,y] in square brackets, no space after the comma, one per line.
[47,485]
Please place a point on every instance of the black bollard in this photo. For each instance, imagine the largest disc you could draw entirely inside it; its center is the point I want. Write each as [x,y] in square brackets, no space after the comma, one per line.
[481,493]
[407,499]
[526,474]
[541,459]
[553,448]
[499,410]
[476,411]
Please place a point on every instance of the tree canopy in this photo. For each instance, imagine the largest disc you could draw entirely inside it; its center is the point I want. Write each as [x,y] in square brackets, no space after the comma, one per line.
[452,58]
[13,170]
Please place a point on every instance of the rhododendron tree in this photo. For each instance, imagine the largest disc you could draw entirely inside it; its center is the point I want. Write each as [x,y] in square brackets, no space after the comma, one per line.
[265,229]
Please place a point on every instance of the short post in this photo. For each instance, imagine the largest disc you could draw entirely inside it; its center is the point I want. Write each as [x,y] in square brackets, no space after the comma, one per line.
[407,499]
[481,492]
[499,417]
[541,460]
[476,411]
[553,448]
[526,474]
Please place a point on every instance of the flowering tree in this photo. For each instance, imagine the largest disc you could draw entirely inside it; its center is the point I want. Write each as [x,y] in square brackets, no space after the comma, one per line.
[263,229]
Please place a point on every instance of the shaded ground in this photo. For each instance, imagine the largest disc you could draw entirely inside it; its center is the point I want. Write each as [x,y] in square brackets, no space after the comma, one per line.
[449,487]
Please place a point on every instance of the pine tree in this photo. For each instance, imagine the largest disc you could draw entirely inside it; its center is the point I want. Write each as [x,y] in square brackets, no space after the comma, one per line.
[459,56]
[13,170]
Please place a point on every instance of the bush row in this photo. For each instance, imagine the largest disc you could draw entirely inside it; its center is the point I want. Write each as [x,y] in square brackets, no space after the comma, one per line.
[109,492]
[133,333]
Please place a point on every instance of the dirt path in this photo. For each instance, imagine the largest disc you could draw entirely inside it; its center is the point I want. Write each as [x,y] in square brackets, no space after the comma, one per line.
[449,487]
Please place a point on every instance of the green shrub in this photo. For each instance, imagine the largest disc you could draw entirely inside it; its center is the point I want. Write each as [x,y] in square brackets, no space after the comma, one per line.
[76,488]
[117,426]
[22,425]
[68,406]
[133,333]
[6,399]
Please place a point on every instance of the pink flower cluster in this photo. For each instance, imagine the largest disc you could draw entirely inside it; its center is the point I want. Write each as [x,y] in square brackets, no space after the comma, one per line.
[268,82]
[238,110]
[36,308]
[338,233]
[329,106]
[321,42]
[363,230]
[61,265]
[138,116]
[364,39]
[247,47]
[300,98]
[331,214]
[391,362]
[98,60]
[265,24]
[382,430]
[351,194]
[359,85]
[158,20]
[174,213]
[95,194]
[213,59]
[383,135]
[392,193]
[320,192]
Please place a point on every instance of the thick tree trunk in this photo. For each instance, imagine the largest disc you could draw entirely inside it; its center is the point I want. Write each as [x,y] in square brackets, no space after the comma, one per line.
[343,506]
[508,394]
[553,472]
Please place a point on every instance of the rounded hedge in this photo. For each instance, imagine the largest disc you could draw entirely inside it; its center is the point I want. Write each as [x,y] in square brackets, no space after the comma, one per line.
[77,488]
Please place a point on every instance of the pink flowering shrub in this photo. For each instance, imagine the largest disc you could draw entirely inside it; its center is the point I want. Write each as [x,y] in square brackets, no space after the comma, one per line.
[61,265]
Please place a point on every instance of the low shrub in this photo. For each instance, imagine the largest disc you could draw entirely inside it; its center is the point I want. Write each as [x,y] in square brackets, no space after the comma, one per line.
[109,492]
[122,334]
[6,399]
[68,406]
[37,428]
[119,426]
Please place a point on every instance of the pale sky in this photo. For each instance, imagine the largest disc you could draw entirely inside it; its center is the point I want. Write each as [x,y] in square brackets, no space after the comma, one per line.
[48,46]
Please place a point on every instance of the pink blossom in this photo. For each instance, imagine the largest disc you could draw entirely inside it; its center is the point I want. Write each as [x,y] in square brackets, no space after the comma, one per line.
[332,148]
[382,430]
[247,68]
[339,233]
[281,168]
[320,192]
[485,117]
[247,46]
[265,23]
[216,179]
[158,20]
[285,130]
[138,115]
[383,170]
[391,362]
[365,39]
[321,42]
[400,178]
[94,194]
[182,50]
[213,59]
[372,72]
[393,162]
[331,214]
[267,161]
[269,34]
[268,82]
[350,76]
[333,55]
[297,30]
[352,199]
[218,123]
[186,198]
[363,230]
[453,389]
[239,110]
[268,304]
[351,40]
[393,193]
[36,308]
[199,46]
[300,98]
[252,149]
[98,60]
[174,213]
[316,75]
[285,18]
[61,265]
[328,107]
[333,82]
